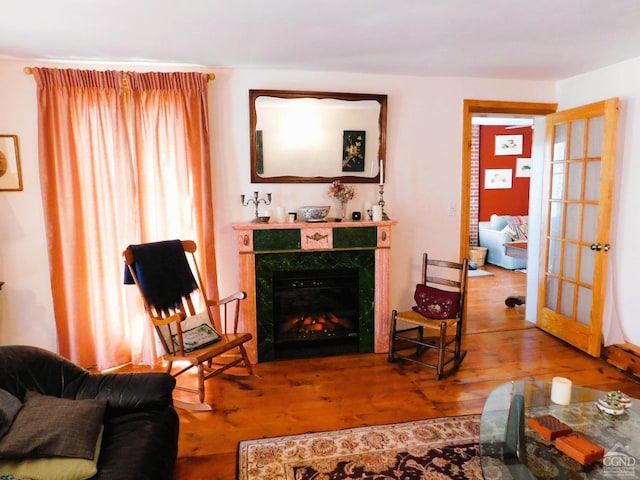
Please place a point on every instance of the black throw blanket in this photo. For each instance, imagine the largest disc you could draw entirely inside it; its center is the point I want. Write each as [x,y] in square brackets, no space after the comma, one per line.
[163,272]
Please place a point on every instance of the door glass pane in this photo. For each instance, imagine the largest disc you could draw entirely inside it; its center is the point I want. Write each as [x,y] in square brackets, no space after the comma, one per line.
[560,142]
[573,221]
[584,305]
[575,181]
[555,219]
[596,131]
[566,307]
[554,257]
[592,181]
[552,293]
[569,267]
[587,263]
[577,139]
[589,223]
[557,180]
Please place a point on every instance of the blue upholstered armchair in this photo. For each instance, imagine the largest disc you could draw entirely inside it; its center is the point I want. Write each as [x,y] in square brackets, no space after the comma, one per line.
[493,235]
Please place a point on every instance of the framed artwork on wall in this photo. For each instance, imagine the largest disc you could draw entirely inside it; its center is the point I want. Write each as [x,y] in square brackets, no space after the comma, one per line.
[353,143]
[508,145]
[10,174]
[496,178]
[523,167]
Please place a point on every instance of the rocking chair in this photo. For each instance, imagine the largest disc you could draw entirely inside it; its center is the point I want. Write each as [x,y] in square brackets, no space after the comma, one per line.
[438,311]
[162,272]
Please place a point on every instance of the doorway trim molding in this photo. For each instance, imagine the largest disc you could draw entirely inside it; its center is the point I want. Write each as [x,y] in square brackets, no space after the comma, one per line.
[471,107]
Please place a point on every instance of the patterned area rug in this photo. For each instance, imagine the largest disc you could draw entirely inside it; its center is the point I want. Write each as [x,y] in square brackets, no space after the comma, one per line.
[438,449]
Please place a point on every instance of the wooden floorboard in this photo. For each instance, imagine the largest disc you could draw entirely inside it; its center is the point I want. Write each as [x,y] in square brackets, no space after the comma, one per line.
[295,396]
[486,311]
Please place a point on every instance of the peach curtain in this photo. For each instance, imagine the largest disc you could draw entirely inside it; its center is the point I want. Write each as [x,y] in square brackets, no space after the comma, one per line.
[171,145]
[117,168]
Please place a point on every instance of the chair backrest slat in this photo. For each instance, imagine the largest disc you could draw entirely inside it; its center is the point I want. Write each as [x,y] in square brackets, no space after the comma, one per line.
[441,267]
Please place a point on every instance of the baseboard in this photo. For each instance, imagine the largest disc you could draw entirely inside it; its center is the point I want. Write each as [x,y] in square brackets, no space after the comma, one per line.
[626,357]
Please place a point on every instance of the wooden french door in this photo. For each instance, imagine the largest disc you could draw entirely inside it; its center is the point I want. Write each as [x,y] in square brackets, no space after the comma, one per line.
[578,188]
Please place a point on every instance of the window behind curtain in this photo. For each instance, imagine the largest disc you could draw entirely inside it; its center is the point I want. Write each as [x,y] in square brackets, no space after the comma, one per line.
[119,164]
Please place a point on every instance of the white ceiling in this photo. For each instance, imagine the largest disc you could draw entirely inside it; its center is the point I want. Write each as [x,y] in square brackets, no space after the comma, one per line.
[526,39]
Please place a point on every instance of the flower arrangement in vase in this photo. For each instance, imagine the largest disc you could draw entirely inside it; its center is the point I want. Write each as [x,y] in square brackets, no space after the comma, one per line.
[343,193]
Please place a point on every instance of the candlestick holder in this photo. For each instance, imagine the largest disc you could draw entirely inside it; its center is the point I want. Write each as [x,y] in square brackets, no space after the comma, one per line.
[381,202]
[255,201]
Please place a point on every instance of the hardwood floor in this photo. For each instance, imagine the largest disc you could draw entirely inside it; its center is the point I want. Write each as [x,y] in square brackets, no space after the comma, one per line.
[295,396]
[486,310]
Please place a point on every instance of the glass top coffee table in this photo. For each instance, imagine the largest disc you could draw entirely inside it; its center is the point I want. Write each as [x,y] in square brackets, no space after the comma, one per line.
[511,449]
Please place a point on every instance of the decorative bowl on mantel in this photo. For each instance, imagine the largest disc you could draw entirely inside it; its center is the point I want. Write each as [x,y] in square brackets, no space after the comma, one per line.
[314,213]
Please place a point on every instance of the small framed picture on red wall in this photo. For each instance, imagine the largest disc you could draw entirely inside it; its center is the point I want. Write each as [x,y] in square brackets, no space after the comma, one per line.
[508,145]
[495,178]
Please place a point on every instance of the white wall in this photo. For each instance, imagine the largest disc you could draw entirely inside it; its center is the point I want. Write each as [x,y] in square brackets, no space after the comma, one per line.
[424,151]
[621,80]
[26,310]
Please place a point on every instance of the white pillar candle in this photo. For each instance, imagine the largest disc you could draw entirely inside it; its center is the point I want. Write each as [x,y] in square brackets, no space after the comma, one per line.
[561,391]
[381,173]
[376,213]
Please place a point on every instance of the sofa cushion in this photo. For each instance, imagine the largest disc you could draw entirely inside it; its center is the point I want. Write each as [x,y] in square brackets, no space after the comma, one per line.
[435,303]
[498,222]
[515,227]
[143,442]
[510,232]
[54,427]
[9,408]
[53,468]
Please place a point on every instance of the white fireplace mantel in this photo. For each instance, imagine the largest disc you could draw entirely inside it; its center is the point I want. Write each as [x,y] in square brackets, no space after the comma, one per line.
[314,237]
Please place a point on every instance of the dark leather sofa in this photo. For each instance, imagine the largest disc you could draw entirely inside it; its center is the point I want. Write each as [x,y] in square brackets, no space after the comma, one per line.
[140,439]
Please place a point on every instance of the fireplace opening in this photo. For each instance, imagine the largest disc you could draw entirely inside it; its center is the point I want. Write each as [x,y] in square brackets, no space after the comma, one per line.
[315,312]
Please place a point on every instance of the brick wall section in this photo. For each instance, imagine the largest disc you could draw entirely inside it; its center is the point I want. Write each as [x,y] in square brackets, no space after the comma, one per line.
[474,203]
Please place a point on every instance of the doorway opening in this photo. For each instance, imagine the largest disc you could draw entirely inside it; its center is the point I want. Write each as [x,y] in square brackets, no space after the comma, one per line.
[475,109]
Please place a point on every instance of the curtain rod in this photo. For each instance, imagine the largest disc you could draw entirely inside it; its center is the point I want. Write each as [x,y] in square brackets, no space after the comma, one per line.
[29,71]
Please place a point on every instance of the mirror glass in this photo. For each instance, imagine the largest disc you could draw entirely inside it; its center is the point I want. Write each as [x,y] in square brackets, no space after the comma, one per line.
[316,137]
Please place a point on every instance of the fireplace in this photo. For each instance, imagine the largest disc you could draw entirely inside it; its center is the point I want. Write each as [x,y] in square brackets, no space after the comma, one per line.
[355,252]
[341,274]
[315,312]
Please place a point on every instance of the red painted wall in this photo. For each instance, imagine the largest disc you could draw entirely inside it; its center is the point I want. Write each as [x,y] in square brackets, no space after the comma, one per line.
[510,201]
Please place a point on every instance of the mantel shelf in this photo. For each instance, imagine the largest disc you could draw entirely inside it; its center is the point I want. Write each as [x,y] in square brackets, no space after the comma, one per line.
[329,223]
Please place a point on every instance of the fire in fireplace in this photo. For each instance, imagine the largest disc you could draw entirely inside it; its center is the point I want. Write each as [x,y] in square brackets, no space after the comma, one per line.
[315,312]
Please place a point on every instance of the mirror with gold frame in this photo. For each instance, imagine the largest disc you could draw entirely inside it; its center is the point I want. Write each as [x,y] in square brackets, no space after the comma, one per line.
[316,137]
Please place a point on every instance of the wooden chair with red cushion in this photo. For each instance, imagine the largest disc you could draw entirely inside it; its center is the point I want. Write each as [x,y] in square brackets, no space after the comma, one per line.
[434,326]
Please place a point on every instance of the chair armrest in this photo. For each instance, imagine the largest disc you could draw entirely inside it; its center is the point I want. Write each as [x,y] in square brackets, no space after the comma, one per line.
[234,300]
[229,299]
[128,390]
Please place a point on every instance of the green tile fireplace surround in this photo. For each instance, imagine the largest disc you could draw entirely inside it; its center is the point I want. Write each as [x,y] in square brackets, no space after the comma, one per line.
[289,247]
[266,264]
